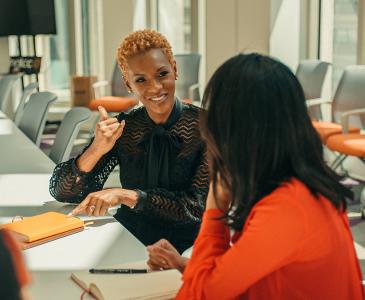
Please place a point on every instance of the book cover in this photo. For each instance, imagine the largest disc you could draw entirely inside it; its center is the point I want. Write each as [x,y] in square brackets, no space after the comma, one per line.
[46,226]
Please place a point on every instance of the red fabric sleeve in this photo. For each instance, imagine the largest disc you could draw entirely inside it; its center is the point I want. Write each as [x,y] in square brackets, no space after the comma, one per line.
[270,240]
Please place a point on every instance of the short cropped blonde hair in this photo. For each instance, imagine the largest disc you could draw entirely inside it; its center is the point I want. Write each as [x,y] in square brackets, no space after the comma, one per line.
[141,41]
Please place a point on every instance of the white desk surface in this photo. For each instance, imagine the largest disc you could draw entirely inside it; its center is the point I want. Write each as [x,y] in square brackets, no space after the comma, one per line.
[106,242]
[18,154]
[24,179]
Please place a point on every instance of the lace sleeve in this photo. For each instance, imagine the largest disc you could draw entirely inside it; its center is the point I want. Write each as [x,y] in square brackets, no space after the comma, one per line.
[69,184]
[180,206]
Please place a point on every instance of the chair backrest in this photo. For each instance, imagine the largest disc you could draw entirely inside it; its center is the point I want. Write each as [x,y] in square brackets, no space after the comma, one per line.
[68,132]
[311,75]
[26,94]
[6,84]
[117,84]
[188,71]
[350,94]
[35,114]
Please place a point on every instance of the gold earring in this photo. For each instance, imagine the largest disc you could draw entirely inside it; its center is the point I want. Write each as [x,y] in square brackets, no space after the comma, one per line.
[130,91]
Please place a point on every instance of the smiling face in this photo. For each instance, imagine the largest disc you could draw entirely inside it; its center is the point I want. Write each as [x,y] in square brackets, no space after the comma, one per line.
[151,77]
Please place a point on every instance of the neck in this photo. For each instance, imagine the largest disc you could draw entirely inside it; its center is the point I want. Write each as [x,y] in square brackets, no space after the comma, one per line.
[160,118]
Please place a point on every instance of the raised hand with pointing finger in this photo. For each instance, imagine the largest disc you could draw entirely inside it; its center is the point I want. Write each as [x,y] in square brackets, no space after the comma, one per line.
[107,131]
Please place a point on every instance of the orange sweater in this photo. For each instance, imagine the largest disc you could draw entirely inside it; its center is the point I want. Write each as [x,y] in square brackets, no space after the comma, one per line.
[293,246]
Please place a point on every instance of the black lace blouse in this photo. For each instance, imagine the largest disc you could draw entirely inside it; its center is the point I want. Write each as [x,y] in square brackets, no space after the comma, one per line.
[167,164]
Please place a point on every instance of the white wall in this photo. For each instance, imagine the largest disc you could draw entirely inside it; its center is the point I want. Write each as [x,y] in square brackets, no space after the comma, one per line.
[285,31]
[235,26]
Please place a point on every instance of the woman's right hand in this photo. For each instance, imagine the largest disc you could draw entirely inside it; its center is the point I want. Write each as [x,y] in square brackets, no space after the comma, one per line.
[162,255]
[107,131]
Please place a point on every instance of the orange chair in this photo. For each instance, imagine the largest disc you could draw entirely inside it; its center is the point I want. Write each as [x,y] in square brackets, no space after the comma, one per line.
[327,129]
[113,103]
[350,95]
[120,100]
[348,144]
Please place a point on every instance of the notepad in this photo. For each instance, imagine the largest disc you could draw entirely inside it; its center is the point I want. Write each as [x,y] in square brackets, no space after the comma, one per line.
[153,285]
[39,229]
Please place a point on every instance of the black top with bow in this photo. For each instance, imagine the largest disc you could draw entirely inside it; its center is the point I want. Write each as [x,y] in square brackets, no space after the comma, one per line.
[165,162]
[162,148]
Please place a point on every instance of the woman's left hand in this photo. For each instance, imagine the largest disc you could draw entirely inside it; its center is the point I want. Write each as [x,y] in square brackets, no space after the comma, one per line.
[222,198]
[98,203]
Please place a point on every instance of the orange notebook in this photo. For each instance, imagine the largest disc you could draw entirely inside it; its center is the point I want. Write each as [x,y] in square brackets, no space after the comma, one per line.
[39,229]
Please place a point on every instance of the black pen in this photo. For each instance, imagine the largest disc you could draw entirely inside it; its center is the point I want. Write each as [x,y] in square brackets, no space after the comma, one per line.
[118,271]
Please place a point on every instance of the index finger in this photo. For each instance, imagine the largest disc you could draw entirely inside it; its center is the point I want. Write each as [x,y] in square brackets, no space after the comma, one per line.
[103,113]
[79,208]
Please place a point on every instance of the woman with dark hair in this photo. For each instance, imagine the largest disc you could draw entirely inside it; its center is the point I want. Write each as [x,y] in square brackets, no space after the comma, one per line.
[270,184]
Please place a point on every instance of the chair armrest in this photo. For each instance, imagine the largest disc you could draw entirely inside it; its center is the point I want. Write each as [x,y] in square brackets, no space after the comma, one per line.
[316,102]
[345,118]
[97,87]
[191,90]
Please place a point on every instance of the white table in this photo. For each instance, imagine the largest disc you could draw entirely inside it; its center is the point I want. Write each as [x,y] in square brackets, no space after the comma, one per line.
[106,242]
[24,179]
[18,154]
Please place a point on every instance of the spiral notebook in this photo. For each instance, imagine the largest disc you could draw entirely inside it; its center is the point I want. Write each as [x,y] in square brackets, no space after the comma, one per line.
[42,228]
[153,285]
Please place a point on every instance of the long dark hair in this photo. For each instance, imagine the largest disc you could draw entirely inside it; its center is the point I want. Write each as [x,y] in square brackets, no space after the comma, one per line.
[259,135]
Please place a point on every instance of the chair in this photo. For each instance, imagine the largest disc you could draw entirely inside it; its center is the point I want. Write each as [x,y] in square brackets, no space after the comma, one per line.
[350,95]
[6,84]
[362,200]
[311,75]
[67,133]
[120,99]
[26,94]
[349,142]
[345,143]
[34,115]
[187,85]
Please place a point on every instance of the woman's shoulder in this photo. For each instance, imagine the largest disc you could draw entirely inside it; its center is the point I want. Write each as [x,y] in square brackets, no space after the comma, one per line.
[291,193]
[191,108]
[190,113]
[289,189]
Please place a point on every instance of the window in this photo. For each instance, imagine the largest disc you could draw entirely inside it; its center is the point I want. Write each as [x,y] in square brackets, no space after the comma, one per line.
[344,37]
[58,74]
[174,21]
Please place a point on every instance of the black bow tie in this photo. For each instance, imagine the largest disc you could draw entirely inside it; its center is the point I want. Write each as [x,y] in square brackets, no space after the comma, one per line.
[161,147]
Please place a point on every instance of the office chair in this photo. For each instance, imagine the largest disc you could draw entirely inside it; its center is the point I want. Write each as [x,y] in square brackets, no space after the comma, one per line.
[34,115]
[6,84]
[311,75]
[67,133]
[120,100]
[26,94]
[187,85]
[350,95]
[362,201]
